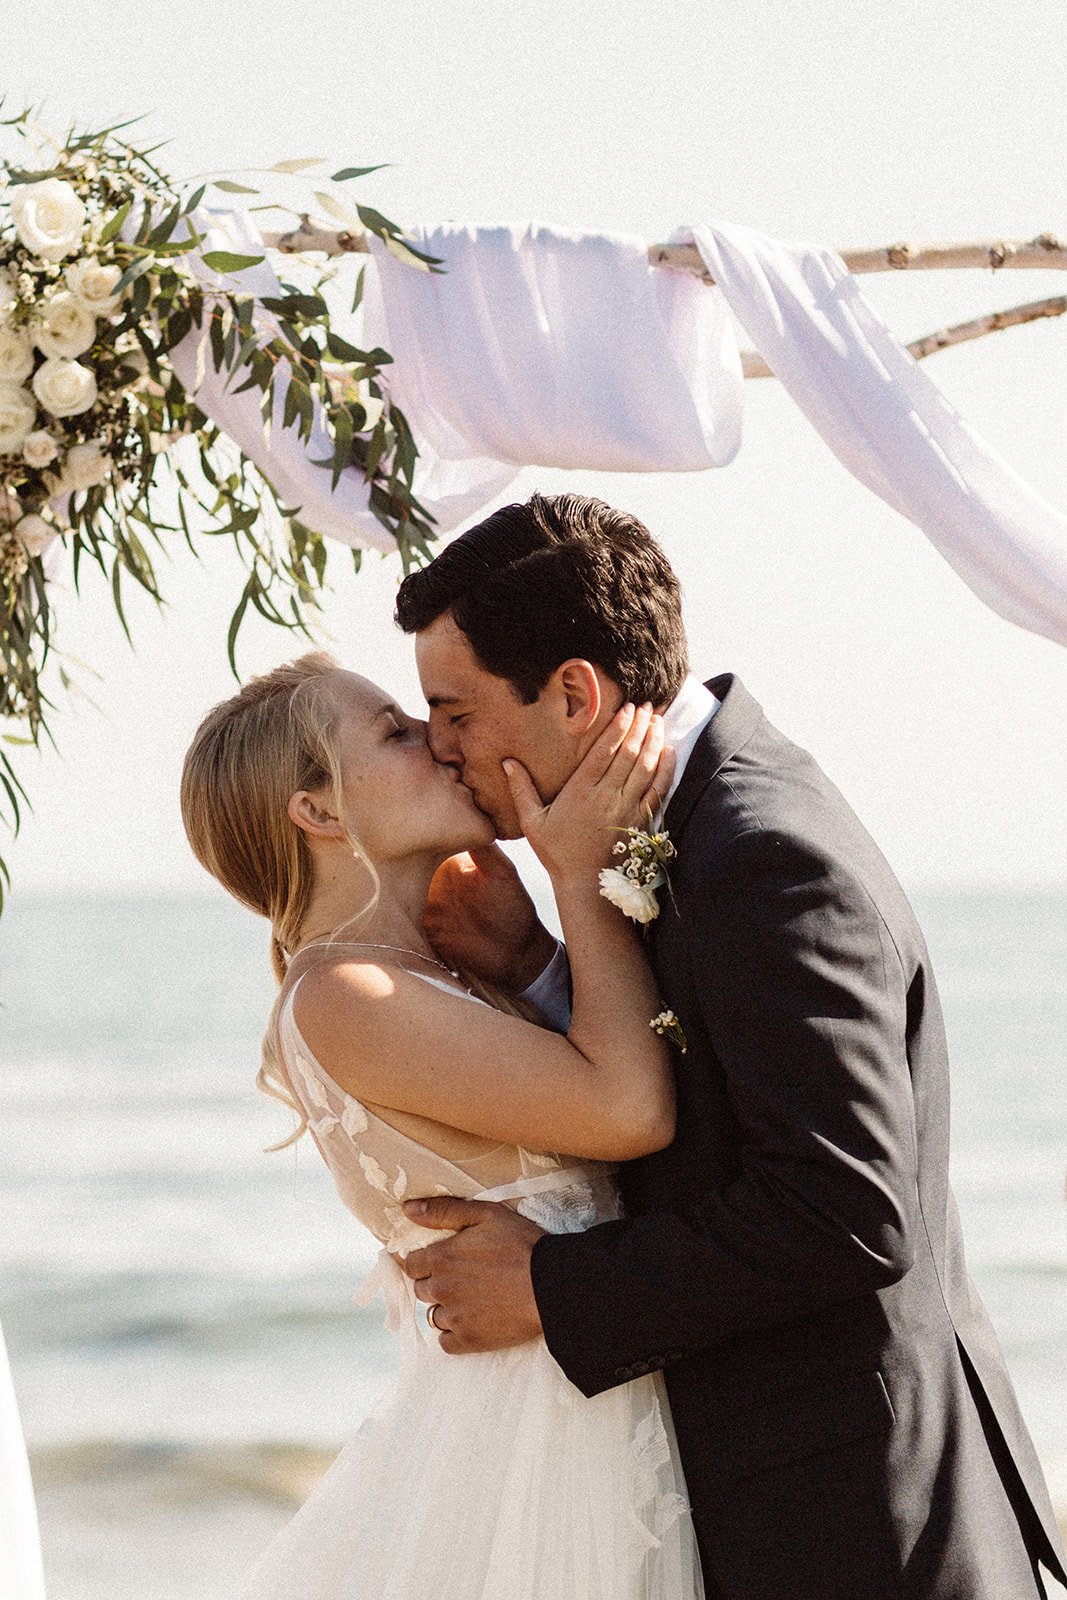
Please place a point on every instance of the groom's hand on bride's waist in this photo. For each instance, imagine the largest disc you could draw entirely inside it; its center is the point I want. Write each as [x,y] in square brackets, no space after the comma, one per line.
[478,1280]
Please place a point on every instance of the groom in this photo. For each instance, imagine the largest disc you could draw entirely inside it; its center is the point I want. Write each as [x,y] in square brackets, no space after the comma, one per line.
[793,1262]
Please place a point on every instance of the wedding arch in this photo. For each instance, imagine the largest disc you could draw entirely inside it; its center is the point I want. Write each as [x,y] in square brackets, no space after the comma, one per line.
[160,380]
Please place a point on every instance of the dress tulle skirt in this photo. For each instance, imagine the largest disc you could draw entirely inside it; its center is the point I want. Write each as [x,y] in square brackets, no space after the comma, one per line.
[490,1477]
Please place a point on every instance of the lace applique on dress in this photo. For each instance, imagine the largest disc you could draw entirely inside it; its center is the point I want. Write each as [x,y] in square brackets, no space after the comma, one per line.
[656,1510]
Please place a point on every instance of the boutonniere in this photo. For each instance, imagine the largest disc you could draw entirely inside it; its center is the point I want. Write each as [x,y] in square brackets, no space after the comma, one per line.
[642,870]
[633,886]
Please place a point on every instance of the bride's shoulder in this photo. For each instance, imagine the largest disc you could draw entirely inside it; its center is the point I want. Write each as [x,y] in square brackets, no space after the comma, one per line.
[346,981]
[338,991]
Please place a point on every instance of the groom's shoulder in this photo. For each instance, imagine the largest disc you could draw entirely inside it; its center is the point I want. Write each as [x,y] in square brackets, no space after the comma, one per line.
[754,788]
[746,773]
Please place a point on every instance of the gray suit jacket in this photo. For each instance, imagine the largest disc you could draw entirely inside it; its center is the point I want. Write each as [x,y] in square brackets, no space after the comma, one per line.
[794,1259]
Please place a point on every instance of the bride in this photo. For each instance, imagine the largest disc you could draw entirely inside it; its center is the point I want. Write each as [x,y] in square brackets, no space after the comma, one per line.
[316,802]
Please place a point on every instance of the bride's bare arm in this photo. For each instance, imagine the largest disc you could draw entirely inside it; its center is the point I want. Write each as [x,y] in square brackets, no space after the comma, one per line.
[604,1091]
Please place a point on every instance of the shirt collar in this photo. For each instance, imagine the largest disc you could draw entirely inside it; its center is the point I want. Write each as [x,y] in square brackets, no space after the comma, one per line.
[684,721]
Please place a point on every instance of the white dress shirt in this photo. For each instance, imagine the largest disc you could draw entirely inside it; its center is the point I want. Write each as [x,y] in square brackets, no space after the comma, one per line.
[684,721]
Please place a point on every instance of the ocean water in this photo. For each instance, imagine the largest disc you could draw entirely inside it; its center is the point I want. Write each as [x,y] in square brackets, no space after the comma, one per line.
[177,1304]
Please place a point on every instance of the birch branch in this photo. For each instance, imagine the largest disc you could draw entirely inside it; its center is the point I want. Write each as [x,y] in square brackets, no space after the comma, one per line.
[754,366]
[1046,251]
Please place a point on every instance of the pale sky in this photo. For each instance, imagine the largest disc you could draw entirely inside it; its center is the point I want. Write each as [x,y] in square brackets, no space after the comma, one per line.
[840,123]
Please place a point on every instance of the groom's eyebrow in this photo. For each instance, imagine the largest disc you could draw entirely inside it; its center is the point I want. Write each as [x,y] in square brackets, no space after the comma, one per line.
[435,700]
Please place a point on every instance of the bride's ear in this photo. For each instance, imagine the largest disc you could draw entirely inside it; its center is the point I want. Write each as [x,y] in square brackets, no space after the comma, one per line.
[309,812]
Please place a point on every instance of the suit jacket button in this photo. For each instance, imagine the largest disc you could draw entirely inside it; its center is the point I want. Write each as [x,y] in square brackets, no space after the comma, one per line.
[641,1369]
[623,1373]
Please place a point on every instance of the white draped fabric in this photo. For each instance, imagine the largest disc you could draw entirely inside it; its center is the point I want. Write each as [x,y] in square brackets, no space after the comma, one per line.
[21,1577]
[491,360]
[890,425]
[546,347]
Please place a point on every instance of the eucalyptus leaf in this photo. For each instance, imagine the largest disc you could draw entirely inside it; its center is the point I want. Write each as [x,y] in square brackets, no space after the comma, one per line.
[408,255]
[357,172]
[229,261]
[337,209]
[302,164]
[375,223]
[229,187]
[114,223]
[135,271]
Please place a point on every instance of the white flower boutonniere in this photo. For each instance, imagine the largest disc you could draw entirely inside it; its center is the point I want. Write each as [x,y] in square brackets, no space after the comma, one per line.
[632,885]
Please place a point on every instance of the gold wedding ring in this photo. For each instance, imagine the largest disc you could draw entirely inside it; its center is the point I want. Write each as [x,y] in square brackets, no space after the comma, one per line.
[431,1318]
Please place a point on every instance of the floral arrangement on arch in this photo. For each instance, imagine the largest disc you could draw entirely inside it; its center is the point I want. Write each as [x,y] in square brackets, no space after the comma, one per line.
[96,288]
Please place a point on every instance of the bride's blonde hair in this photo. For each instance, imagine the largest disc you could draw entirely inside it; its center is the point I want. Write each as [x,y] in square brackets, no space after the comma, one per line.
[248,757]
[250,754]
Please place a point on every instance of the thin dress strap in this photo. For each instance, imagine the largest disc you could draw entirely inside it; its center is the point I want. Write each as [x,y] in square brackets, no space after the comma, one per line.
[325,950]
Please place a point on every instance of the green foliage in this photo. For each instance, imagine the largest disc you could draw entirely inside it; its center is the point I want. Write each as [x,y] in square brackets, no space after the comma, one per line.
[99,491]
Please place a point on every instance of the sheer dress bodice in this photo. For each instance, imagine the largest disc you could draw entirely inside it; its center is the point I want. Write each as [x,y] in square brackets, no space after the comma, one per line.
[376,1167]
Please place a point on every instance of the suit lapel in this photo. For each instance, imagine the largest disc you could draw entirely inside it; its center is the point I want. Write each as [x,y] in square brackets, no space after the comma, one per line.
[736,720]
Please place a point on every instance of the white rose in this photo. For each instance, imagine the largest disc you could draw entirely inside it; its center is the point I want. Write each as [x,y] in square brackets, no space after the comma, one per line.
[67,327]
[39,448]
[637,900]
[16,355]
[85,466]
[64,388]
[34,534]
[17,417]
[94,284]
[49,218]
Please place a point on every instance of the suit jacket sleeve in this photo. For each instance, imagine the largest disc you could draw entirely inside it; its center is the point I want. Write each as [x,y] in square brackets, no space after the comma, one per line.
[802,1007]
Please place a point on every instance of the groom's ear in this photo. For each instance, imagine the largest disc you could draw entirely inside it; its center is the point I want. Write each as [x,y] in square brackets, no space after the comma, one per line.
[581,695]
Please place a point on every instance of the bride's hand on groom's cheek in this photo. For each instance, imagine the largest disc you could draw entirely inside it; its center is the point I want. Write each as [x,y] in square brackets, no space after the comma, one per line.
[481,921]
[621,782]
[479,1279]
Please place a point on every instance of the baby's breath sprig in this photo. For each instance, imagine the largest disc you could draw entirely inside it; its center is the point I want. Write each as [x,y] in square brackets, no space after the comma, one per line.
[668,1026]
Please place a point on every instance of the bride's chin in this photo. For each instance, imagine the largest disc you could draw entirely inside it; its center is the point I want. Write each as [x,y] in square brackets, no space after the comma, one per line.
[481,833]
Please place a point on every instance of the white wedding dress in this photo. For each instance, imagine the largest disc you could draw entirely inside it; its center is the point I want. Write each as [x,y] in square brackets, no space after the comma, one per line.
[481,1477]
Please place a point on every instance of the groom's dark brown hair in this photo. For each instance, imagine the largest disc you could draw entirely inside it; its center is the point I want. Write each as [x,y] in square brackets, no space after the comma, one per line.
[560,577]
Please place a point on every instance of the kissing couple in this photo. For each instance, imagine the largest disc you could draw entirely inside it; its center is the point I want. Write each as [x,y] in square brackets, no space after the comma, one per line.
[674,1195]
